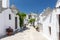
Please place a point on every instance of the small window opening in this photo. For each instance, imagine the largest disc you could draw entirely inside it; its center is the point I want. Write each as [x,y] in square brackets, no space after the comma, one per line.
[50,30]
[9,16]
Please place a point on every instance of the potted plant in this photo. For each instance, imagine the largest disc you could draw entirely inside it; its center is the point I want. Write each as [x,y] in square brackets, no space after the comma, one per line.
[9,31]
[38,29]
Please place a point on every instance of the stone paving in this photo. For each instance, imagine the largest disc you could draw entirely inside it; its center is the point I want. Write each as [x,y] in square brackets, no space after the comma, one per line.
[30,34]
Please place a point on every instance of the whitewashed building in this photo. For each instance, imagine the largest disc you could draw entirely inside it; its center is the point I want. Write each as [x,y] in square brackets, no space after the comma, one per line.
[50,21]
[31,16]
[8,17]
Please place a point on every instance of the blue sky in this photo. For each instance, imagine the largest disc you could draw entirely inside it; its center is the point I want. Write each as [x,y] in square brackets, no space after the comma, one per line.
[36,6]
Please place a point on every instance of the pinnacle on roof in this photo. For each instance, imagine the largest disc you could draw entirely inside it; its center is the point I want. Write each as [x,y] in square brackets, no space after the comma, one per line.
[58,4]
[13,6]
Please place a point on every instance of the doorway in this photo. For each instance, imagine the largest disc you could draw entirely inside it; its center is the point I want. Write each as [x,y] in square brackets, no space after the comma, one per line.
[50,30]
[59,27]
[15,22]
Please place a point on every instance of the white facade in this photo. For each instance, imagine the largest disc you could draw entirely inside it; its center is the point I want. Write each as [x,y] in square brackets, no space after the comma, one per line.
[5,22]
[51,23]
[8,18]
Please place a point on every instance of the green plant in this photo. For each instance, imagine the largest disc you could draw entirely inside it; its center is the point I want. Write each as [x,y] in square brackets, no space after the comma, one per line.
[32,21]
[38,29]
[21,18]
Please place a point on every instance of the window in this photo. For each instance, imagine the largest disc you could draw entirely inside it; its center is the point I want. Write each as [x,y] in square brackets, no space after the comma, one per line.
[50,30]
[9,16]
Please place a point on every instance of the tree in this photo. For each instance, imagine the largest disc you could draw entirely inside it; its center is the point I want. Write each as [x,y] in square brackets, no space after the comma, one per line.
[32,21]
[21,18]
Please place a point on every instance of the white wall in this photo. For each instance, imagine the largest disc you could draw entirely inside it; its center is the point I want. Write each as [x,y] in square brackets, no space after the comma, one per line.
[5,22]
[46,25]
[54,26]
[2,27]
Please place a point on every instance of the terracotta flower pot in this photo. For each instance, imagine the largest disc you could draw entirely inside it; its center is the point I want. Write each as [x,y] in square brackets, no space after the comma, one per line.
[38,29]
[9,31]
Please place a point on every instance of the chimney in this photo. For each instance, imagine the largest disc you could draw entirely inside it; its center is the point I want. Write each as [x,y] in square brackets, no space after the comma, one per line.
[5,4]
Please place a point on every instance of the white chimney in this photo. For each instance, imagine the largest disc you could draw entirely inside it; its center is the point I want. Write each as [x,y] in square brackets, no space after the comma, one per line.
[5,3]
